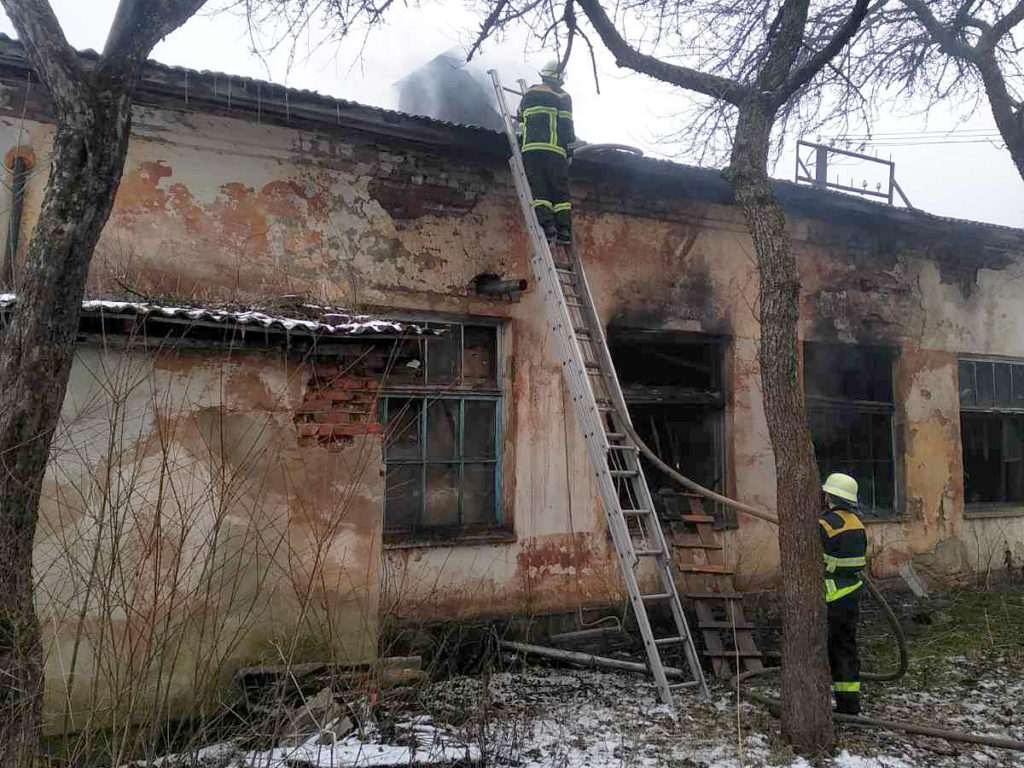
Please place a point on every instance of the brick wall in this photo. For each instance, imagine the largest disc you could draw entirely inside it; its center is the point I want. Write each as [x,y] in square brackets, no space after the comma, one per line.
[337,406]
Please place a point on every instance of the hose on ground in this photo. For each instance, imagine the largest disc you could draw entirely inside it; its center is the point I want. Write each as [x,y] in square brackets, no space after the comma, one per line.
[767,516]
[890,615]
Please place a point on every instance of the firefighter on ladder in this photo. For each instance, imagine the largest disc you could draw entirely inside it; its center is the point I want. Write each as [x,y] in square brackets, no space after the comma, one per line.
[845,548]
[546,138]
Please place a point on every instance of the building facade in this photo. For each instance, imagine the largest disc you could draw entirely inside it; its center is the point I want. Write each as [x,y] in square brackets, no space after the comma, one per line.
[245,491]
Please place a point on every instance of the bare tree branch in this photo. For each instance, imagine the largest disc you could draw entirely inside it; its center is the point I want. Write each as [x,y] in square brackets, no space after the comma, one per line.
[54,61]
[140,24]
[813,66]
[684,77]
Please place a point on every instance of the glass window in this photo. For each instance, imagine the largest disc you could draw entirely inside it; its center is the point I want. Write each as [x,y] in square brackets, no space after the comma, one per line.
[849,412]
[992,431]
[442,435]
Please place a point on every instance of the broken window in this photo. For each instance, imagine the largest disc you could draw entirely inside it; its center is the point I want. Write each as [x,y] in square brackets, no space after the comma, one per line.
[440,411]
[672,382]
[992,431]
[849,411]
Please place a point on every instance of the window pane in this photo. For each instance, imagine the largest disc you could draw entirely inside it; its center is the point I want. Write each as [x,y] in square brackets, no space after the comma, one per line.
[442,496]
[968,396]
[1002,393]
[443,357]
[402,437]
[481,347]
[401,364]
[403,495]
[442,429]
[985,384]
[1018,385]
[478,500]
[982,437]
[479,431]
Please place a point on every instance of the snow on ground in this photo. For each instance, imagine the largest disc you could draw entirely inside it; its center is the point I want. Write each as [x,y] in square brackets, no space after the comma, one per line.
[536,716]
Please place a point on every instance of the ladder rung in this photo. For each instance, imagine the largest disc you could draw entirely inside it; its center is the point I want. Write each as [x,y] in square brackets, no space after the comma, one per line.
[656,596]
[669,640]
[697,546]
[691,568]
[629,447]
[687,684]
[726,625]
[648,552]
[715,595]
[623,473]
[573,303]
[636,512]
[697,519]
[563,267]
[581,330]
[724,654]
[591,366]
[615,435]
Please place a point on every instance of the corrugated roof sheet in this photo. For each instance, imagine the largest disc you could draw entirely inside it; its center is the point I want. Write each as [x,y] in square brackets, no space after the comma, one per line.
[329,323]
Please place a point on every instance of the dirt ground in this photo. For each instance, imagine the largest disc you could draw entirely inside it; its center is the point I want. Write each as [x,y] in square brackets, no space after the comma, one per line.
[966,674]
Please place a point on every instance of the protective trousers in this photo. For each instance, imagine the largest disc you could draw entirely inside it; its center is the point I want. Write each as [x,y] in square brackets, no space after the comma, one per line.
[548,173]
[843,615]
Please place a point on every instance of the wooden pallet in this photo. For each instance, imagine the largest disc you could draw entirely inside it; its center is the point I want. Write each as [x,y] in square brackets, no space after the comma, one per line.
[707,581]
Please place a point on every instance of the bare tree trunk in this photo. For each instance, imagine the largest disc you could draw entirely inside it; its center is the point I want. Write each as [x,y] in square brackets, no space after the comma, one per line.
[35,362]
[806,683]
[93,122]
[1009,118]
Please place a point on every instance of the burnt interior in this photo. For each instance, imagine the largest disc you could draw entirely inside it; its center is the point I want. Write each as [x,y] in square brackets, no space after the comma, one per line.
[674,386]
[849,393]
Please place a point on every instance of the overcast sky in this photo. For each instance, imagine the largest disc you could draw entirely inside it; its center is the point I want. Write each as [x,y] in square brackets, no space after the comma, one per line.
[969,178]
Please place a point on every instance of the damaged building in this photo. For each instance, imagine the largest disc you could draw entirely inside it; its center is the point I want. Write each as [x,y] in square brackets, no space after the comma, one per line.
[243,470]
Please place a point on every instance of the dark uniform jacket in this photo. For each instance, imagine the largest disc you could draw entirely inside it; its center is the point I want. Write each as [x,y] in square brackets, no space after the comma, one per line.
[845,546]
[545,121]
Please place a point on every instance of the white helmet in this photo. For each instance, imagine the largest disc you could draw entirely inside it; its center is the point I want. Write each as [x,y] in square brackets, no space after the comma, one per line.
[553,71]
[841,486]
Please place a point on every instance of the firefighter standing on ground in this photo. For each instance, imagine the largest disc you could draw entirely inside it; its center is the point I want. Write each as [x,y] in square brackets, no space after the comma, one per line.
[546,138]
[845,548]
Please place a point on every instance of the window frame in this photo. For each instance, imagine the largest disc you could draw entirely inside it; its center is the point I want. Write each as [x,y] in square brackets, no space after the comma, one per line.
[426,394]
[714,401]
[987,509]
[818,404]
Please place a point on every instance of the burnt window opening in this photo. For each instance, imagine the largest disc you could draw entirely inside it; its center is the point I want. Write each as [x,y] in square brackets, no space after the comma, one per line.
[673,384]
[440,408]
[850,408]
[992,431]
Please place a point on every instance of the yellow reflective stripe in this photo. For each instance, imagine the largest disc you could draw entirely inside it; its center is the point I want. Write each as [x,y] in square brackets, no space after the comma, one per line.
[846,687]
[564,113]
[831,563]
[540,111]
[563,207]
[850,521]
[538,203]
[834,593]
[542,146]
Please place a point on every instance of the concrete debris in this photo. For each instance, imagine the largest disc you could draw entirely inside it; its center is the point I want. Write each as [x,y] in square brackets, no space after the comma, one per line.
[916,583]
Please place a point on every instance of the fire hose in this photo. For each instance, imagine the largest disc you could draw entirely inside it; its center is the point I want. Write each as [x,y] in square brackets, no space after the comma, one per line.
[890,615]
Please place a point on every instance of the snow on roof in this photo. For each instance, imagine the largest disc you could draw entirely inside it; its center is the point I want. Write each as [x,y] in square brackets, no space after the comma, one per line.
[329,321]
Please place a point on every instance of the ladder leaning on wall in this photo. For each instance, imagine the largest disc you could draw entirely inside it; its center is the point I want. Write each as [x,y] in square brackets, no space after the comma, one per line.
[600,412]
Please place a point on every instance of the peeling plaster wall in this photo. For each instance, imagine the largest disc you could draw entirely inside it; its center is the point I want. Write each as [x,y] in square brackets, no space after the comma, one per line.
[219,209]
[184,531]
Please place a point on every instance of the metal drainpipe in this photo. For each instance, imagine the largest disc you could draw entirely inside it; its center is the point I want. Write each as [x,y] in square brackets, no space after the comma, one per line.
[19,175]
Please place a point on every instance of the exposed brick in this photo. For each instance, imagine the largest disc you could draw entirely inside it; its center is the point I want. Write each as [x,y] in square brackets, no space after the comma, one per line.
[308,430]
[349,430]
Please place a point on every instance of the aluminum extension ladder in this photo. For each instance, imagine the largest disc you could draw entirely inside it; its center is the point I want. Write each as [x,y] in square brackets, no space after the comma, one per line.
[601,412]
